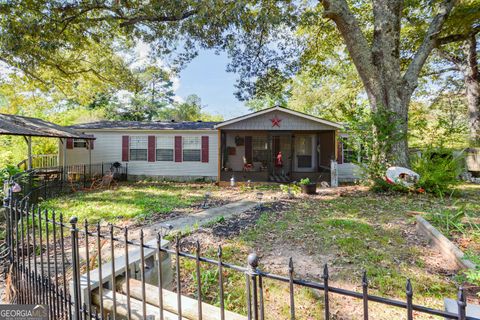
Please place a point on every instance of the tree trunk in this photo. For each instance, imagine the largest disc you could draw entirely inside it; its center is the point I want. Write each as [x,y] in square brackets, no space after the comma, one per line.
[472,86]
[392,112]
[379,65]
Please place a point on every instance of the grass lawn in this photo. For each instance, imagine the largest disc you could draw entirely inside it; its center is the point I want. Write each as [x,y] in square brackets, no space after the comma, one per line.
[138,201]
[352,230]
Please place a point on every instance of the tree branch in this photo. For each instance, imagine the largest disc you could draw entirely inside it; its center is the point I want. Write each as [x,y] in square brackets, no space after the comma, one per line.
[438,72]
[458,37]
[357,44]
[138,19]
[410,77]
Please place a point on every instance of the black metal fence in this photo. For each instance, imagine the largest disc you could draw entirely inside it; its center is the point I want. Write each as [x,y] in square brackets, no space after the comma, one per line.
[87,271]
[43,183]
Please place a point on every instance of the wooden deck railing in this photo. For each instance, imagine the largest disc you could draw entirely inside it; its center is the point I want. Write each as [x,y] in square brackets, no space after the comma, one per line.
[40,161]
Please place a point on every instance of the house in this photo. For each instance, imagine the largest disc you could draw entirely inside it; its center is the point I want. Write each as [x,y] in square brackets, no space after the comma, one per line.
[275,144]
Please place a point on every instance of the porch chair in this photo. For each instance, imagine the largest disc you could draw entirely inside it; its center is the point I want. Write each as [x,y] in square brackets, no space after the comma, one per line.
[247,166]
[106,181]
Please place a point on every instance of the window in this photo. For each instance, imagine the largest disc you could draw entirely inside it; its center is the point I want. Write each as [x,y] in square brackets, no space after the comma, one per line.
[79,143]
[192,148]
[165,147]
[304,151]
[260,149]
[138,148]
[349,153]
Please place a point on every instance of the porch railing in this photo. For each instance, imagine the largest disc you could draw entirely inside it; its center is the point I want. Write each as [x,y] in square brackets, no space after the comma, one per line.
[48,257]
[40,161]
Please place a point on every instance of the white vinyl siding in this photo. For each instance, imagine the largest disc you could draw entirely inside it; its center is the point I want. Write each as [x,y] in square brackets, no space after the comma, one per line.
[165,148]
[192,148]
[138,148]
[108,149]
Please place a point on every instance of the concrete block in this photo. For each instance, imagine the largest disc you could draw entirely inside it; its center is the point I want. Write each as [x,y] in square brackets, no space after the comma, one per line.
[445,246]
[134,259]
[473,310]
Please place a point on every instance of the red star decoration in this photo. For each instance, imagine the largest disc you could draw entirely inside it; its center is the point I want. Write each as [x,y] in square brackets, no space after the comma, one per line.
[276,121]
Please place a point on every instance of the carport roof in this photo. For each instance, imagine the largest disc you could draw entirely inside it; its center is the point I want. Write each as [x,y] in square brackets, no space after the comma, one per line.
[27,126]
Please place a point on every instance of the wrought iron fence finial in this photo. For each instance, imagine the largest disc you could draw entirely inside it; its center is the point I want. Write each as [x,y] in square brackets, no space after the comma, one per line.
[252,260]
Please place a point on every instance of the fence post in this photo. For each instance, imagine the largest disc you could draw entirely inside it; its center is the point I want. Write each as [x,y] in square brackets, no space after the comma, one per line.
[409,292]
[76,271]
[252,261]
[326,291]
[462,304]
[365,295]
[84,176]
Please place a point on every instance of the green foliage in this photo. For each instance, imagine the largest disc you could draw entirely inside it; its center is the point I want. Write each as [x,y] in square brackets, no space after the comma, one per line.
[305,181]
[439,170]
[441,123]
[473,275]
[291,188]
[144,102]
[372,135]
[6,173]
[449,221]
[189,110]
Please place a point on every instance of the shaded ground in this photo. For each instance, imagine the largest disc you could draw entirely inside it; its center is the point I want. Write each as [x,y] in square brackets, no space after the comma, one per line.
[349,228]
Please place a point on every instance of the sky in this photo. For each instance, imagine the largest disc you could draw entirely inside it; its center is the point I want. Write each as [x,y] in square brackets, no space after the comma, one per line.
[206,77]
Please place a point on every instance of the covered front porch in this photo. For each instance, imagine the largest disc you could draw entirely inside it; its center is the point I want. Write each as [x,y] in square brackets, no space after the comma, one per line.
[277,145]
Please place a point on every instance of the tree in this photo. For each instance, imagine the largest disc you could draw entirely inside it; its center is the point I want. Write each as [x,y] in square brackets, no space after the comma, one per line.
[151,94]
[260,37]
[379,61]
[458,47]
[189,110]
[440,122]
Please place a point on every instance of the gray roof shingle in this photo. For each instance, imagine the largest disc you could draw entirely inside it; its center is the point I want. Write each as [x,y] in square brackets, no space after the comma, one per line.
[26,126]
[144,125]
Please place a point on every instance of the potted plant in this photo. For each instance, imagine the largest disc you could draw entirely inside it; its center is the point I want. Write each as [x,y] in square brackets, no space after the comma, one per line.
[308,186]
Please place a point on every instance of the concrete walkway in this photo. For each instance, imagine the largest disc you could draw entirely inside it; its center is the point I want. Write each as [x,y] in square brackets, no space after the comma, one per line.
[201,218]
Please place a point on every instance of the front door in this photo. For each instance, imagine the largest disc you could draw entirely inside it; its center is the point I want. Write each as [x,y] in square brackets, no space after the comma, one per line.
[281,154]
[304,153]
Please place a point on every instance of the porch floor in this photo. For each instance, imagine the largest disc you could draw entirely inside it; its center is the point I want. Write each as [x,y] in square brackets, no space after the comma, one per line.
[265,176]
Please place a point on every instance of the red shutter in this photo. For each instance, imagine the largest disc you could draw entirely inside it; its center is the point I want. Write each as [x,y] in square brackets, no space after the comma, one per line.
[125,147]
[151,148]
[90,143]
[248,149]
[339,152]
[204,148]
[69,143]
[178,149]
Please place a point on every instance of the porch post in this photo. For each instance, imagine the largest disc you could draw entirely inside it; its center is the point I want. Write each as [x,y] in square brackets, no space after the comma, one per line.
[64,147]
[90,157]
[220,155]
[29,147]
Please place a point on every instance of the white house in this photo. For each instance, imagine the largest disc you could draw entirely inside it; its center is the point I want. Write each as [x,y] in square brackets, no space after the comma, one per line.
[274,144]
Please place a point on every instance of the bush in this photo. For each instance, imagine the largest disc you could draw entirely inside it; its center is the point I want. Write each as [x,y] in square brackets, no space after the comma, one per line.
[5,174]
[439,170]
[380,185]
[291,189]
[305,181]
